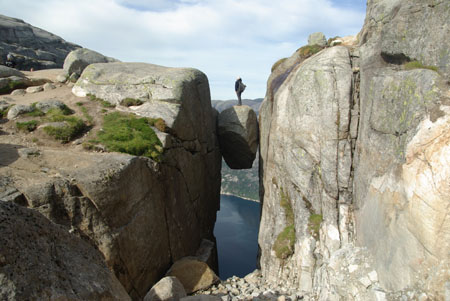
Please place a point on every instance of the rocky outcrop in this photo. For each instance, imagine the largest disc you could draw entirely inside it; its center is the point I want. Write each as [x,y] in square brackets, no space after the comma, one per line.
[32,47]
[317,38]
[140,214]
[39,258]
[238,136]
[354,153]
[401,163]
[306,157]
[77,60]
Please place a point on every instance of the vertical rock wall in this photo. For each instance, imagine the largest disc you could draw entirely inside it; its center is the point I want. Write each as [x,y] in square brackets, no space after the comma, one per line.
[355,161]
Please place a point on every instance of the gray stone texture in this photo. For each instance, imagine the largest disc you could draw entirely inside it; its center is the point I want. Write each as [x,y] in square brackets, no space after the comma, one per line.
[39,258]
[141,215]
[402,150]
[77,60]
[7,72]
[31,46]
[317,38]
[306,156]
[238,136]
[167,289]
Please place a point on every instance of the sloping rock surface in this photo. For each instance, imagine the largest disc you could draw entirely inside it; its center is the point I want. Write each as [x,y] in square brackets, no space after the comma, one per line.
[167,289]
[77,60]
[32,46]
[238,136]
[39,259]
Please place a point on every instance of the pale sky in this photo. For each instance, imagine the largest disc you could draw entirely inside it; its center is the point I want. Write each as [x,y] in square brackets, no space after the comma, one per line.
[222,38]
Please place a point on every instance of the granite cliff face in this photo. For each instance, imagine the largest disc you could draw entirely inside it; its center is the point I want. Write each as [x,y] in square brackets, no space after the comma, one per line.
[32,46]
[141,214]
[354,154]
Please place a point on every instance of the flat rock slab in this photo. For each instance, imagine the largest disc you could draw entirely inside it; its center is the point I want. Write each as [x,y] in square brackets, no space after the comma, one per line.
[238,136]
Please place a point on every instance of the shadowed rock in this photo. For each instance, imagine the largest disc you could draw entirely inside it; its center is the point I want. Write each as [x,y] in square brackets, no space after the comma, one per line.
[238,136]
[39,258]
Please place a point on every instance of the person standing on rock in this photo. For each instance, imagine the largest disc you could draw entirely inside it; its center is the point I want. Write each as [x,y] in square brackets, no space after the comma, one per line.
[239,87]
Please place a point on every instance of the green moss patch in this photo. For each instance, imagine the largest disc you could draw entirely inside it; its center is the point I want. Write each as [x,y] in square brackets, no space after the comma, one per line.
[285,241]
[128,102]
[35,113]
[12,85]
[131,135]
[314,224]
[278,63]
[418,65]
[27,126]
[308,50]
[73,127]
[103,102]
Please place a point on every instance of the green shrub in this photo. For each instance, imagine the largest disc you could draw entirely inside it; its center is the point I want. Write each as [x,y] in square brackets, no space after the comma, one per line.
[131,135]
[308,50]
[28,126]
[314,224]
[278,63]
[79,103]
[73,126]
[128,102]
[284,244]
[330,40]
[418,65]
[4,112]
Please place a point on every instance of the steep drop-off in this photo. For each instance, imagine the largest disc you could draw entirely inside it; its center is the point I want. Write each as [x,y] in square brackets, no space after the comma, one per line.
[354,160]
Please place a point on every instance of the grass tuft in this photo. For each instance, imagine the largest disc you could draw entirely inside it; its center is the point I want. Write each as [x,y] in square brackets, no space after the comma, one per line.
[314,224]
[103,102]
[308,50]
[128,102]
[12,85]
[284,244]
[74,126]
[27,126]
[131,135]
[418,65]
[278,63]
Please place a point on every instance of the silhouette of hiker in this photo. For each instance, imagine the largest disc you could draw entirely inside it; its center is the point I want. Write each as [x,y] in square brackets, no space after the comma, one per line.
[239,87]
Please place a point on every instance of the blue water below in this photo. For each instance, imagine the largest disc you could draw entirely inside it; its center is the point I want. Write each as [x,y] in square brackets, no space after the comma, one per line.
[236,231]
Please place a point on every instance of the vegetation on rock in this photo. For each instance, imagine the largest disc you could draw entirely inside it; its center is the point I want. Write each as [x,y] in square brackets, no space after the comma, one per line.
[278,63]
[103,102]
[314,224]
[131,135]
[284,244]
[308,50]
[28,126]
[128,102]
[12,85]
[418,65]
[73,127]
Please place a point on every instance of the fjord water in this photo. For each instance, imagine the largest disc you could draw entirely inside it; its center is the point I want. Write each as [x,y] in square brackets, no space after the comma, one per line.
[236,231]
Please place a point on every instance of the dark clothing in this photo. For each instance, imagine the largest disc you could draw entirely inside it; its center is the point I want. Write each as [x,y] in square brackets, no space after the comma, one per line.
[238,88]
[236,84]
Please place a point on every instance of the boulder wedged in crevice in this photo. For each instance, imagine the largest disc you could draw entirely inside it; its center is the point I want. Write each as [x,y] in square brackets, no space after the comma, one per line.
[238,136]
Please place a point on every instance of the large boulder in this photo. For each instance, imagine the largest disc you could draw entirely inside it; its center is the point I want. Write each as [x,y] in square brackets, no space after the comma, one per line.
[317,38]
[7,72]
[31,46]
[77,60]
[195,275]
[39,258]
[167,289]
[238,136]
[142,215]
